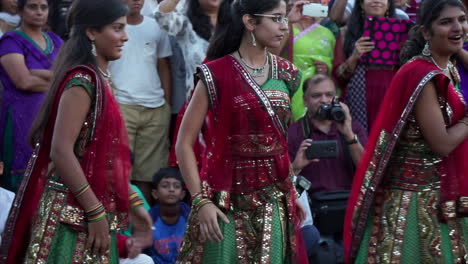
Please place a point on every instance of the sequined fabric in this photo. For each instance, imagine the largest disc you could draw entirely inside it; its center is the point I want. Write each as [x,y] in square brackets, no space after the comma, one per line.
[246,171]
[410,192]
[258,231]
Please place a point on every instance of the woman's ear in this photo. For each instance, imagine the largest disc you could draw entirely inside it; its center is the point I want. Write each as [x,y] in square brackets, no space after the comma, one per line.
[91,34]
[425,33]
[249,22]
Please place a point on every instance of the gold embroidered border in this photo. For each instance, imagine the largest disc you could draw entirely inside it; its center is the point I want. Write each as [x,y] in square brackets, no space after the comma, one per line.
[463,204]
[454,234]
[241,236]
[78,255]
[267,233]
[448,209]
[44,227]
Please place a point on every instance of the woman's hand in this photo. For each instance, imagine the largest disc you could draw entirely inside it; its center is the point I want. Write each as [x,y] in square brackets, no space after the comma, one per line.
[362,45]
[296,11]
[142,224]
[321,67]
[209,227]
[98,237]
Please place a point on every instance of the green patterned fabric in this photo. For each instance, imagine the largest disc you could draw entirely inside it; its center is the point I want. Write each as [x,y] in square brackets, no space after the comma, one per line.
[9,180]
[413,236]
[226,250]
[273,84]
[87,85]
[64,246]
[410,250]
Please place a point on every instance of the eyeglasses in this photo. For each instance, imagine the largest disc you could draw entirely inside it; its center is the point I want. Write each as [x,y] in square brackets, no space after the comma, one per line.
[276,18]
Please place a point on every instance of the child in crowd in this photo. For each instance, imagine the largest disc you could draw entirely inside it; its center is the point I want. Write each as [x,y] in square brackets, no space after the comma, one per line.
[169,215]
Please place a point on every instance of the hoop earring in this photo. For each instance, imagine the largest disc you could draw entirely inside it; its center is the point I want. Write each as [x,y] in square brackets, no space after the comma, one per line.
[93,49]
[426,51]
[254,42]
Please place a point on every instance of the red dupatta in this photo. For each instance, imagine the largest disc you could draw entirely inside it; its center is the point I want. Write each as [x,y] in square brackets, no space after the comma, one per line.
[227,81]
[105,163]
[399,102]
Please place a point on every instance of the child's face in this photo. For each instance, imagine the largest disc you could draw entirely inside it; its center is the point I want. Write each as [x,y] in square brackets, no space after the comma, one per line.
[169,191]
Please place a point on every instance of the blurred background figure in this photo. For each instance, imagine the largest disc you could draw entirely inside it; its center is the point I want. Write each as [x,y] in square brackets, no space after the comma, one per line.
[192,22]
[26,59]
[9,18]
[142,87]
[365,84]
[311,49]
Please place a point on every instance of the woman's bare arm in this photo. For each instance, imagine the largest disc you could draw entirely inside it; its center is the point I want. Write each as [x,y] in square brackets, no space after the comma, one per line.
[442,140]
[188,133]
[73,109]
[20,75]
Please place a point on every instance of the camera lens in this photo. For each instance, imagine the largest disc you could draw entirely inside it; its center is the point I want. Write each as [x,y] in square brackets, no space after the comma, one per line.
[337,114]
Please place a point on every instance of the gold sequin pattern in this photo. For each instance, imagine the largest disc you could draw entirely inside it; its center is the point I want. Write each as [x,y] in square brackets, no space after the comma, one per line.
[267,234]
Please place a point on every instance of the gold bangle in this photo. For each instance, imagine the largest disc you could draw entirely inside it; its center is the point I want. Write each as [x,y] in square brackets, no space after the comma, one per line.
[463,122]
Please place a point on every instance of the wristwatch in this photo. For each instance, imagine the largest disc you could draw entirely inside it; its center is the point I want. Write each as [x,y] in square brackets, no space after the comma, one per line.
[353,141]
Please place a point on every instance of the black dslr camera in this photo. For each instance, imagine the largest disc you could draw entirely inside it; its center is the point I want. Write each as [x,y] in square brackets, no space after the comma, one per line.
[332,111]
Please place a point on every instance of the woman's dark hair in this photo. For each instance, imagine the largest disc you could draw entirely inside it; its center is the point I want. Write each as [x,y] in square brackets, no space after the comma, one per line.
[355,24]
[428,12]
[200,21]
[230,28]
[83,14]
[22,3]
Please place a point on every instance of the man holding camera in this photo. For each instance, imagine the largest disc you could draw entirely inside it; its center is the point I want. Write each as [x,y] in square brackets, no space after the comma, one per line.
[325,147]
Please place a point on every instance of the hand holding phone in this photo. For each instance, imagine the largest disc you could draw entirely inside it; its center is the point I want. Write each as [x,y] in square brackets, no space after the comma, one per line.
[323,149]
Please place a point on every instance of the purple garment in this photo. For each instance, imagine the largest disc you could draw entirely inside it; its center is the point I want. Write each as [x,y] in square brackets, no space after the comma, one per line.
[327,174]
[22,105]
[464,76]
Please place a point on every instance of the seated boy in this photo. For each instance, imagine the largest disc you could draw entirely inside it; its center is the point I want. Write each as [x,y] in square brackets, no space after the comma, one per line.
[169,215]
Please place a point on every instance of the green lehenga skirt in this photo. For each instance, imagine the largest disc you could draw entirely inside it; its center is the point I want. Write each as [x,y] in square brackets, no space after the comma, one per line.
[403,227]
[55,241]
[260,235]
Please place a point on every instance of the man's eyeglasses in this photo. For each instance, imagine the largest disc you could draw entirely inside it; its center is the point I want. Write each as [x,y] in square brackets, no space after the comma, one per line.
[276,18]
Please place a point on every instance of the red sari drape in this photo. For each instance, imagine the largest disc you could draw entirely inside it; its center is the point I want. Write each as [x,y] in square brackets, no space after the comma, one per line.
[105,163]
[397,105]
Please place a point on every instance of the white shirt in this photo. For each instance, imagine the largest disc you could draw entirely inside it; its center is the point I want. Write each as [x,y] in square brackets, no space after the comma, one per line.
[6,198]
[149,7]
[135,74]
[193,47]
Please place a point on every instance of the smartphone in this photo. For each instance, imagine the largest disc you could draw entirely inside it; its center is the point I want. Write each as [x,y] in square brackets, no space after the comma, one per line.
[315,10]
[323,149]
